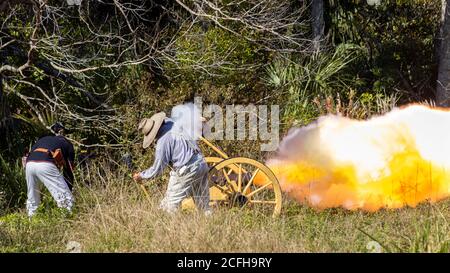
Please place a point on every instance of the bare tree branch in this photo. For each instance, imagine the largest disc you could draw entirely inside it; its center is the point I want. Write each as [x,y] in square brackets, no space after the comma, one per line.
[57,51]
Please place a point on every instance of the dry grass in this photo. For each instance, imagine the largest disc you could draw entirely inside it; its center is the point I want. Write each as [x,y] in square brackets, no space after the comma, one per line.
[114,216]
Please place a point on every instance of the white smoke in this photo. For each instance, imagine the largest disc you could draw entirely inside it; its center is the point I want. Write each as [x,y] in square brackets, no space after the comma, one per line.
[389,161]
[187,120]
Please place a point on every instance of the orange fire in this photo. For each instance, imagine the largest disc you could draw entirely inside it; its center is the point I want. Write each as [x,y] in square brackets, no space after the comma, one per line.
[390,161]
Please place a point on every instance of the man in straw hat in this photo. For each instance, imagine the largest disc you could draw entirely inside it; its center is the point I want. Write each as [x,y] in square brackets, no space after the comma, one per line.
[188,176]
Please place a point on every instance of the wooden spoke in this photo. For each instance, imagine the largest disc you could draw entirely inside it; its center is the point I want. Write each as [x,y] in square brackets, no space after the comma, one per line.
[258,190]
[250,182]
[239,187]
[228,180]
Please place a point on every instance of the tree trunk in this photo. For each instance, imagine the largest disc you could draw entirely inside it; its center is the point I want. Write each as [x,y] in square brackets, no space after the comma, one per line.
[2,104]
[443,84]
[318,23]
[4,112]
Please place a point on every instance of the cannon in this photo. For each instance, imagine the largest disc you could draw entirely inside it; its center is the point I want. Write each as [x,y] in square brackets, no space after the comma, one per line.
[240,182]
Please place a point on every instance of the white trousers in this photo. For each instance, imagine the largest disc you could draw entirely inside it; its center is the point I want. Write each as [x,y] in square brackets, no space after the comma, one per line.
[48,174]
[190,180]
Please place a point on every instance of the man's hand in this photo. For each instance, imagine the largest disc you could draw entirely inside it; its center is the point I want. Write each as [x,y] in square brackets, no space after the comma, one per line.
[137,177]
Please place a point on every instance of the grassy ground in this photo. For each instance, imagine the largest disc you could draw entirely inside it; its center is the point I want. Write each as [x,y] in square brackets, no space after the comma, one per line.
[115,217]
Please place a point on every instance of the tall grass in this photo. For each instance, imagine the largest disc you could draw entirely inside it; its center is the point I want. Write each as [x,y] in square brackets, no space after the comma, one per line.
[112,215]
[12,185]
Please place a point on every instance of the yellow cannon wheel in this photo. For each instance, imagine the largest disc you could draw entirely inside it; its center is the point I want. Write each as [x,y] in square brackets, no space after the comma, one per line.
[242,182]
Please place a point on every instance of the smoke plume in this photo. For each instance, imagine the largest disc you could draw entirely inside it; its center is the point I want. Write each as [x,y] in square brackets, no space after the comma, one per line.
[399,159]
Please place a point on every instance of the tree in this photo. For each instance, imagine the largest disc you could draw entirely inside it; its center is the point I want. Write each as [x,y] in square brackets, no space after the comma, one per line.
[443,84]
[65,55]
[318,23]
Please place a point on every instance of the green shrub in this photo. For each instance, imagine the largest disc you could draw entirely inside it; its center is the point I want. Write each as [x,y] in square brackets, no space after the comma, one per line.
[12,185]
[212,52]
[304,79]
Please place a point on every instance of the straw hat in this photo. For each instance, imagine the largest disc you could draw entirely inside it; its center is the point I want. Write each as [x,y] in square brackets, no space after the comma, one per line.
[150,127]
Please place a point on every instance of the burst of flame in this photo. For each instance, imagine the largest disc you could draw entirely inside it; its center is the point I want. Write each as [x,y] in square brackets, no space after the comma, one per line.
[390,161]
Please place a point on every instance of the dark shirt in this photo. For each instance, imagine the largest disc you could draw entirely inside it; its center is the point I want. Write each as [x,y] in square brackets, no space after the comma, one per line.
[52,143]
